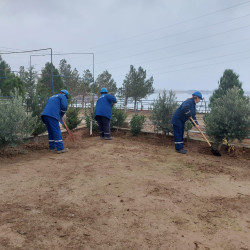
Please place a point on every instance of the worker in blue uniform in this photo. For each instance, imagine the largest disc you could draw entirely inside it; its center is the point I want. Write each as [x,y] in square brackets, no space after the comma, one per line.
[181,115]
[52,114]
[103,113]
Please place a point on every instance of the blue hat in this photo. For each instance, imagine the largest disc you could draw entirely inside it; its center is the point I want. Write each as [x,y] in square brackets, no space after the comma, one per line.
[65,92]
[198,94]
[104,90]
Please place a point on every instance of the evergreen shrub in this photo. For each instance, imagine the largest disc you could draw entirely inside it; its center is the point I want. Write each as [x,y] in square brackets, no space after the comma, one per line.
[15,123]
[136,124]
[72,118]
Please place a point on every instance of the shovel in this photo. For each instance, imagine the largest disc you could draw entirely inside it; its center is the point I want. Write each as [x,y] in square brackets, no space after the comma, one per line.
[214,151]
[71,136]
[65,125]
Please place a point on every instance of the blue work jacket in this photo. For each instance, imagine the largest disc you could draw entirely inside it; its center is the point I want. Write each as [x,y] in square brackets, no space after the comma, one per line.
[56,107]
[104,105]
[187,109]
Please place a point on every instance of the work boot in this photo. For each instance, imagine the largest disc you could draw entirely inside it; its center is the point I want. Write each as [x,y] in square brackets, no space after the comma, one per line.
[108,138]
[63,151]
[181,151]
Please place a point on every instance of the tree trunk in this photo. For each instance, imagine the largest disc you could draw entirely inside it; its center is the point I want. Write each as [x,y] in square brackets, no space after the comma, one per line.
[135,106]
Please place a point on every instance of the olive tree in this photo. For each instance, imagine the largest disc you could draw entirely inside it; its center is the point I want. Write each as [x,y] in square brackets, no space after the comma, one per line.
[15,123]
[229,118]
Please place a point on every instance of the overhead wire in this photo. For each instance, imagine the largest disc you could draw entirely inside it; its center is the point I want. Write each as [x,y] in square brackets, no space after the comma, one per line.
[176,24]
[175,34]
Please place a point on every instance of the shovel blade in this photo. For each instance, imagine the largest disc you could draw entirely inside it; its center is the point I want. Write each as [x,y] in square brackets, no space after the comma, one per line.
[215,152]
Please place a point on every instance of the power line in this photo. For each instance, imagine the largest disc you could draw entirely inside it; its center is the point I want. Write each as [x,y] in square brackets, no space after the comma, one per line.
[206,59]
[188,53]
[178,44]
[171,35]
[175,24]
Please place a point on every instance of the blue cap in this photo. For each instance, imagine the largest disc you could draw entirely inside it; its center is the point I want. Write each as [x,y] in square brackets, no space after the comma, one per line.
[65,92]
[104,90]
[198,94]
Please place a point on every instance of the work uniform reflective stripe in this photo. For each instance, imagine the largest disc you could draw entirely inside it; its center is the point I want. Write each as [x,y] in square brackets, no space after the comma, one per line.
[54,133]
[178,135]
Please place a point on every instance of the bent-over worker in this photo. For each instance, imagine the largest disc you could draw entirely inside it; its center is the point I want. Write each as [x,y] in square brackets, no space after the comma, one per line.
[103,113]
[181,115]
[52,114]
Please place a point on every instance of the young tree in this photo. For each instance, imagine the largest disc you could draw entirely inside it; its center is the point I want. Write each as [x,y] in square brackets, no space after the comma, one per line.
[85,83]
[15,124]
[136,85]
[70,77]
[9,82]
[12,83]
[136,124]
[72,119]
[29,78]
[4,71]
[44,86]
[163,110]
[229,118]
[105,80]
[227,81]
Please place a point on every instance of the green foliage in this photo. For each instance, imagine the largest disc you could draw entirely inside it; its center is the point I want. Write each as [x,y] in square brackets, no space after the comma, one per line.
[88,118]
[188,125]
[44,86]
[118,117]
[227,81]
[70,77]
[136,85]
[105,80]
[72,119]
[15,124]
[37,105]
[136,124]
[9,82]
[163,110]
[84,86]
[29,78]
[229,118]
[5,70]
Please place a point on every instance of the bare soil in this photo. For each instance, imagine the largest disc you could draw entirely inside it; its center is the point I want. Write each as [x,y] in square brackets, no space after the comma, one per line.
[128,193]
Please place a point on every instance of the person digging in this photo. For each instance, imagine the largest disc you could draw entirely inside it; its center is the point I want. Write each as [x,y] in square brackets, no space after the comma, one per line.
[103,113]
[52,114]
[181,115]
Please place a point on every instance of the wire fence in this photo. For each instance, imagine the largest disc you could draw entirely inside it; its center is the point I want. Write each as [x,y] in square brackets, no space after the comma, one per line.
[142,105]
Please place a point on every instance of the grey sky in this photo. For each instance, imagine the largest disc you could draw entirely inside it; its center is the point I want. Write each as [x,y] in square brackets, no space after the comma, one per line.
[180,43]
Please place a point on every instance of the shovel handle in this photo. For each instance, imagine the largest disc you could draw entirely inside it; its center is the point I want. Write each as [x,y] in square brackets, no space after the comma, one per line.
[65,125]
[192,120]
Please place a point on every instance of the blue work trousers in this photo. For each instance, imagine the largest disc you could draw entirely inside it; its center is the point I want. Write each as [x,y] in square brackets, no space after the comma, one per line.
[104,125]
[178,135]
[54,133]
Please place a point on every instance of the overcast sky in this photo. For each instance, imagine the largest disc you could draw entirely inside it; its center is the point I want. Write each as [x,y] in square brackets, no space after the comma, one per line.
[182,44]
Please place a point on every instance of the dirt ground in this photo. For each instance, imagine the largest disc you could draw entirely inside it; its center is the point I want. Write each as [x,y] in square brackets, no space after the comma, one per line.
[128,193]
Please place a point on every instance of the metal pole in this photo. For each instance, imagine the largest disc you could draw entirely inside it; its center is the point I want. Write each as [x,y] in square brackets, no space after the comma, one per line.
[52,82]
[93,93]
